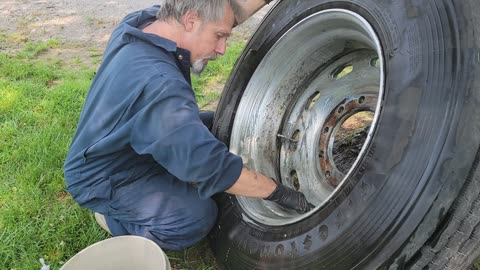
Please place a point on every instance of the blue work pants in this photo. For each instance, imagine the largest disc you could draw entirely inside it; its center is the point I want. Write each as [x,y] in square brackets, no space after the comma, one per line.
[167,211]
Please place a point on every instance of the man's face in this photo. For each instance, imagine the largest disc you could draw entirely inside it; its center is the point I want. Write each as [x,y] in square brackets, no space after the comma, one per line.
[209,39]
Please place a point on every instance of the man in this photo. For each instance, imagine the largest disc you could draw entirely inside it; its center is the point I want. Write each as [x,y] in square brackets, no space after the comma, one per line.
[141,141]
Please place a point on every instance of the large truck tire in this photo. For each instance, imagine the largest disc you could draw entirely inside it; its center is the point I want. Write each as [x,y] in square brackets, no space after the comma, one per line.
[405,74]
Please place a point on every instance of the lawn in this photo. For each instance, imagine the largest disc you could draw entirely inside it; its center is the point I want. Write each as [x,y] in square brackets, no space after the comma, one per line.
[41,96]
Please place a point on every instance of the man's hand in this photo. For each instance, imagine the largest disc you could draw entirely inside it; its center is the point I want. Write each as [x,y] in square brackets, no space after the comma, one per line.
[256,185]
[247,8]
[290,198]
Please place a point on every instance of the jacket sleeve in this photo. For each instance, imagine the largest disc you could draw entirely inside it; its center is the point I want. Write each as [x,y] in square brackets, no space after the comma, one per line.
[169,128]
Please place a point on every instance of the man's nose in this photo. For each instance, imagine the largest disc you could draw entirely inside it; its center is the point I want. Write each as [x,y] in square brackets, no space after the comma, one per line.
[221,47]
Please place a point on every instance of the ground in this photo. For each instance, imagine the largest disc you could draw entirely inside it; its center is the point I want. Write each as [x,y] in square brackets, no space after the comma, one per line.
[86,23]
[49,50]
[83,28]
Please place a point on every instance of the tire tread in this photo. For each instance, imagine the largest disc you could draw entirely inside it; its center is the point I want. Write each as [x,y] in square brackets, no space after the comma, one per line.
[457,245]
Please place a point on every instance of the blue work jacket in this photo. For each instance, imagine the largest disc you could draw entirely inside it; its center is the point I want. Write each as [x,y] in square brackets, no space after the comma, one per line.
[141,117]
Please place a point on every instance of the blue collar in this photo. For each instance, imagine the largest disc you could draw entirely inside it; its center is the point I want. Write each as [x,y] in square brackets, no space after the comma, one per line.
[130,27]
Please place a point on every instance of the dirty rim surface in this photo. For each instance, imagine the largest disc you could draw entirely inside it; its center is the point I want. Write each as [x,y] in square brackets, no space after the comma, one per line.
[325,70]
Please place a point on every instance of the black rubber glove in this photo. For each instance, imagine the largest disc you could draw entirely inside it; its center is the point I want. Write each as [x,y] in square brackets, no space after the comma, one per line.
[290,198]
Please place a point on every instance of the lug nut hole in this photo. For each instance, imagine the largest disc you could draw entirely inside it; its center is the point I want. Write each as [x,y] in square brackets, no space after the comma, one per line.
[312,101]
[295,139]
[295,181]
[375,62]
[361,100]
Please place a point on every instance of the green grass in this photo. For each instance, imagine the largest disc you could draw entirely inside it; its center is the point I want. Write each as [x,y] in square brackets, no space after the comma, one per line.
[40,102]
[216,73]
[32,50]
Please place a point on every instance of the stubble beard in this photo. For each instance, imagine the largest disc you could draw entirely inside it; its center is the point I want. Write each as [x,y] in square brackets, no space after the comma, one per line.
[199,65]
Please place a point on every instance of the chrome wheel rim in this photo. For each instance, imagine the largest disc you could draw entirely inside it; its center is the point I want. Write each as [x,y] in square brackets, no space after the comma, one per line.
[324,70]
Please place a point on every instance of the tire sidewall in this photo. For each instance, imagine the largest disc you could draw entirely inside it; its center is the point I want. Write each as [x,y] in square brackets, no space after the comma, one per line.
[407,163]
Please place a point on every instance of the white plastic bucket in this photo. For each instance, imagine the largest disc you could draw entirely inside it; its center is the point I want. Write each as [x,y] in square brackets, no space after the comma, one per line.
[120,253]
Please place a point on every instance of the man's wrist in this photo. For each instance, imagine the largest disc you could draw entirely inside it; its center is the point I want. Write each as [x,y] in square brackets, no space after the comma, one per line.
[273,194]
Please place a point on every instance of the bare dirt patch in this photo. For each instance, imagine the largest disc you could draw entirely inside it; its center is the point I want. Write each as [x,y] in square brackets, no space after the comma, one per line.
[84,24]
[82,28]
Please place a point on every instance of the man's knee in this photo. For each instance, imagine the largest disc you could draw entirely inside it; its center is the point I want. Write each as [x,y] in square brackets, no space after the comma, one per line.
[207,216]
[207,118]
[184,228]
[199,223]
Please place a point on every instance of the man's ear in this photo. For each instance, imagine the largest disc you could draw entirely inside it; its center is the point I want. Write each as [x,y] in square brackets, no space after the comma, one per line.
[190,19]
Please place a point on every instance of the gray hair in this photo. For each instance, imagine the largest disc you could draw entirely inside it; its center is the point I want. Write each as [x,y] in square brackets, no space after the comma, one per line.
[209,10]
